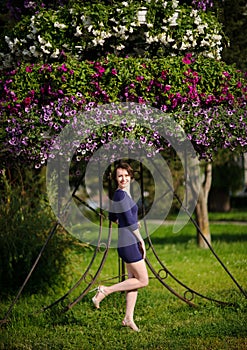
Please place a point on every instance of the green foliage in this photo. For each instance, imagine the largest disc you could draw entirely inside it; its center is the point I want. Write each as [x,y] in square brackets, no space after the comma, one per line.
[25,221]
[117,73]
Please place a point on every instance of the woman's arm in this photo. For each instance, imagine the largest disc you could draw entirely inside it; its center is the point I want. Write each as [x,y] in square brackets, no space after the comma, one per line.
[141,241]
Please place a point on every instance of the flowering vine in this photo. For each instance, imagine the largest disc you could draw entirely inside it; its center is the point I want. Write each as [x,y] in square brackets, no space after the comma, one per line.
[206,97]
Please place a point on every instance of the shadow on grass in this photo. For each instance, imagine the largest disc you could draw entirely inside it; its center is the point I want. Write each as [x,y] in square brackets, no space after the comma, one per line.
[227,235]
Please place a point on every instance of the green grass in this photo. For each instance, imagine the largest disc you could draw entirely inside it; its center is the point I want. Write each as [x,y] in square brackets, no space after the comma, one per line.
[165,321]
[233,215]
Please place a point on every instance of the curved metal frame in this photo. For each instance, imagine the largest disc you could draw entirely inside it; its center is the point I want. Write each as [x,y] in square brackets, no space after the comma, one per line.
[209,246]
[157,274]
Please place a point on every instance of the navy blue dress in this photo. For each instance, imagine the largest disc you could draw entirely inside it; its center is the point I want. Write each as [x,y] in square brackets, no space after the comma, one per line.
[125,211]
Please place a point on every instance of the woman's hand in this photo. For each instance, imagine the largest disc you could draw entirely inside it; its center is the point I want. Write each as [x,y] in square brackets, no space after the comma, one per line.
[142,248]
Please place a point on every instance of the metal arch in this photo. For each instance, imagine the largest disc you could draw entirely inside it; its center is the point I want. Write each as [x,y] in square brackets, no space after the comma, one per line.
[155,273]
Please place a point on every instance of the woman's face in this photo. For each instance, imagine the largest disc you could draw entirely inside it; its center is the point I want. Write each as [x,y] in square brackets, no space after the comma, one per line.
[123,178]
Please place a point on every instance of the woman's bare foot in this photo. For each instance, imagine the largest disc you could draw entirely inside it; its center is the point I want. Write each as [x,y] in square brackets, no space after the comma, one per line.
[131,324]
[99,296]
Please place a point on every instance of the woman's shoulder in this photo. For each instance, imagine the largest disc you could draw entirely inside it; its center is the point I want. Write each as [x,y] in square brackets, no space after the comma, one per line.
[119,195]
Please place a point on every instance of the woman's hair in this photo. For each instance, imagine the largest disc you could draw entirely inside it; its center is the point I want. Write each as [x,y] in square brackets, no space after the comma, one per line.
[123,165]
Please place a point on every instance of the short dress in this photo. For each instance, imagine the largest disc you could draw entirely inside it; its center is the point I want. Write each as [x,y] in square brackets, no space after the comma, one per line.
[125,211]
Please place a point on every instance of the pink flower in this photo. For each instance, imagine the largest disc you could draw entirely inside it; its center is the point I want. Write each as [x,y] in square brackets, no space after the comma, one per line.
[187,58]
[226,74]
[27,101]
[139,78]
[141,100]
[29,69]
[114,71]
[163,74]
[167,88]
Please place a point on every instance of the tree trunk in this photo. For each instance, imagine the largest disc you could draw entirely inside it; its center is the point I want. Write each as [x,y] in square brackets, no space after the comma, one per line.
[202,207]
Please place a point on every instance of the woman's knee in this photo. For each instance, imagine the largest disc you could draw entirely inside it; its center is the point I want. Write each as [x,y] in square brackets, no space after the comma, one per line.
[145,281]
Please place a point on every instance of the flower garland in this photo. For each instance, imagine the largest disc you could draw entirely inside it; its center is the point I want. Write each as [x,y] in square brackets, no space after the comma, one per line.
[207,98]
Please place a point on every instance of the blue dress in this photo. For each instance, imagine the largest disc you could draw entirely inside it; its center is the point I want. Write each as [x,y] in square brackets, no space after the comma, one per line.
[125,211]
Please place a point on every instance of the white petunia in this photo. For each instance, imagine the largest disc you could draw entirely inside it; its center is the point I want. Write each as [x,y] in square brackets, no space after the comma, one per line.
[209,54]
[204,43]
[59,25]
[198,20]
[175,4]
[78,31]
[7,39]
[193,13]
[216,37]
[120,47]
[9,42]
[98,41]
[48,44]
[55,53]
[169,39]
[41,40]
[43,48]
[194,43]
[173,20]
[200,29]
[184,46]
[34,52]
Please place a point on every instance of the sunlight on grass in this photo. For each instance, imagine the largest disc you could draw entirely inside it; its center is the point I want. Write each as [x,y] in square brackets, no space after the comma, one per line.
[165,321]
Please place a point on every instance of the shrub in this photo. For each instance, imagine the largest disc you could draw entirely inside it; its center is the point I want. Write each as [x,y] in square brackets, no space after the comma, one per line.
[25,221]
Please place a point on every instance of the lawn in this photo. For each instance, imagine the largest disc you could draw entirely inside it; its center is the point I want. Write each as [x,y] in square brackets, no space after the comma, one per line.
[166,322]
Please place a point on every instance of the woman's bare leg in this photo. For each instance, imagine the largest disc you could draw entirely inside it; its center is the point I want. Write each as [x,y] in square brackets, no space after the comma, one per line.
[131,297]
[138,279]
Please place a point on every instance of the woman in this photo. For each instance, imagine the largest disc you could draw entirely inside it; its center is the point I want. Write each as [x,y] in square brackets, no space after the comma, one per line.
[131,247]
